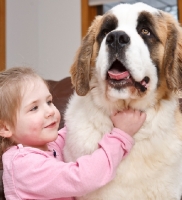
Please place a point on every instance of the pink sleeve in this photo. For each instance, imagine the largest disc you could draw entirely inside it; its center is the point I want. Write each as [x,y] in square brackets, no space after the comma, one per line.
[38,177]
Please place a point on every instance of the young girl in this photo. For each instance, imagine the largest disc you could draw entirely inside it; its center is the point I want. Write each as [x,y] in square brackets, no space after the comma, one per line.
[32,147]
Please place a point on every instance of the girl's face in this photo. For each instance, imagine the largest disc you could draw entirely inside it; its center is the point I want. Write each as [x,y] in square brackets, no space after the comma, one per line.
[37,119]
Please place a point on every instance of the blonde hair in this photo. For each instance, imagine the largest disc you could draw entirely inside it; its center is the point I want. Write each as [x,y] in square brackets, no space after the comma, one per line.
[11,83]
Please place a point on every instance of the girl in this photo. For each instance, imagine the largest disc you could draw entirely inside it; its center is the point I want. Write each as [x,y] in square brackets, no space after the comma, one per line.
[32,147]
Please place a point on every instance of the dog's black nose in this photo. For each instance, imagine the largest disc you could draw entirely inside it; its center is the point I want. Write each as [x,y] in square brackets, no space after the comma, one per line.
[117,39]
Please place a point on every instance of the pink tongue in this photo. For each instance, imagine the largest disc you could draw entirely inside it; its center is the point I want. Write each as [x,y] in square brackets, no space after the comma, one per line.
[114,74]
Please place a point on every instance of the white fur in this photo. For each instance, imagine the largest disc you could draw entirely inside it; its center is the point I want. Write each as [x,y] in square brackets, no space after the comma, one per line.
[153,169]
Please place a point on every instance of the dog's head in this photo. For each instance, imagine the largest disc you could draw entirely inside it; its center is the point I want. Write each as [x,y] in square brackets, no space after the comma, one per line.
[134,50]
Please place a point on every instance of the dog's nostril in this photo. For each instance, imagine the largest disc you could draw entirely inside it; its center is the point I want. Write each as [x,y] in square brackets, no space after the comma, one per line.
[123,38]
[110,38]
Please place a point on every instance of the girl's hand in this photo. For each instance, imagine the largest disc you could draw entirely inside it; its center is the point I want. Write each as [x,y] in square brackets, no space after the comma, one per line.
[129,120]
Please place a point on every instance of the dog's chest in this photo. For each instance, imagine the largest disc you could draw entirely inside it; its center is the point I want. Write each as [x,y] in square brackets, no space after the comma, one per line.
[150,172]
[153,168]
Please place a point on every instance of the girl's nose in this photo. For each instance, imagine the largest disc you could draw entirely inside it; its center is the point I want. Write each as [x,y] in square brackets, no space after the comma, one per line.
[49,111]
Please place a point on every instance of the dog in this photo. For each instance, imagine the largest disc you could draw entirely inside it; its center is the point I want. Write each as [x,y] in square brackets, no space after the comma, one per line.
[130,57]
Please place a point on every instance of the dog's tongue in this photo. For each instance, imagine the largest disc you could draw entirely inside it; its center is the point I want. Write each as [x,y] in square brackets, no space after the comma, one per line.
[115,74]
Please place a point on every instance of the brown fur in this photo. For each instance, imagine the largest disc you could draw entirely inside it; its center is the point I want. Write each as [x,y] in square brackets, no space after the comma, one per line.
[80,70]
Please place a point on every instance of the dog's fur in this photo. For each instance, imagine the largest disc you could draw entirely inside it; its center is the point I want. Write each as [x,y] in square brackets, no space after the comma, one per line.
[146,43]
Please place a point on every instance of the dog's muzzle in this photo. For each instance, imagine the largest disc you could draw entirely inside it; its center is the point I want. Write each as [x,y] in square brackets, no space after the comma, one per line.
[118,76]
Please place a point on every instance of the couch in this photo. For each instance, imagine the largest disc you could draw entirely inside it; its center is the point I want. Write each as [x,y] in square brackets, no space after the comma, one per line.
[61,91]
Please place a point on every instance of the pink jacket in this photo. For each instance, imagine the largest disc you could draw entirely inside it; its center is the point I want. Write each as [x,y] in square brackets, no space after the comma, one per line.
[30,173]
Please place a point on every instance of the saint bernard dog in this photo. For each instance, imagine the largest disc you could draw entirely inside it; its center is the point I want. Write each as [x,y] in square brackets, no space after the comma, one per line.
[130,57]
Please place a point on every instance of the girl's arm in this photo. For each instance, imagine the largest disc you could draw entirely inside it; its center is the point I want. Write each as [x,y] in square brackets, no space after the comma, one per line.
[36,176]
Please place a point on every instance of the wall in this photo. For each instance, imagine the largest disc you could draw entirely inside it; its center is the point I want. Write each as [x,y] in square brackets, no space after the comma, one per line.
[43,34]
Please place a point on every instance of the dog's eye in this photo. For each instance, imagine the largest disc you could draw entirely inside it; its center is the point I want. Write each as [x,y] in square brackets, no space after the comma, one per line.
[144,31]
[105,32]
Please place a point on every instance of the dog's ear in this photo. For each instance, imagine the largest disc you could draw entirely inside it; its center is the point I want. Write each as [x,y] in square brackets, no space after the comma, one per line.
[173,55]
[80,70]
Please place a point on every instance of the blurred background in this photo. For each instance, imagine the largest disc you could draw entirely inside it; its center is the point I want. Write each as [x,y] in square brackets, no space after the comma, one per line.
[45,34]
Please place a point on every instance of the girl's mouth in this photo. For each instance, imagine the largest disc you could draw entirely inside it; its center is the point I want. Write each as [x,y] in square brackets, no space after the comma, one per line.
[51,125]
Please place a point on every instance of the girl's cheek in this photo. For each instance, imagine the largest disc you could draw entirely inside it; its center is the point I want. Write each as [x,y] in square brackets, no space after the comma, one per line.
[36,125]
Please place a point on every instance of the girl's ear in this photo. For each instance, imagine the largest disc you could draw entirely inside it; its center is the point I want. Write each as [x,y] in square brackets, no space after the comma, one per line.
[5,130]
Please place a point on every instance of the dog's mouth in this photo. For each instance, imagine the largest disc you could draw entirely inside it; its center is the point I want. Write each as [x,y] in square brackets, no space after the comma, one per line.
[119,77]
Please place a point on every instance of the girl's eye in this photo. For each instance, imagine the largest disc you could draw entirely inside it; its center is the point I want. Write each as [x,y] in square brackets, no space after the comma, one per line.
[145,31]
[49,102]
[34,108]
